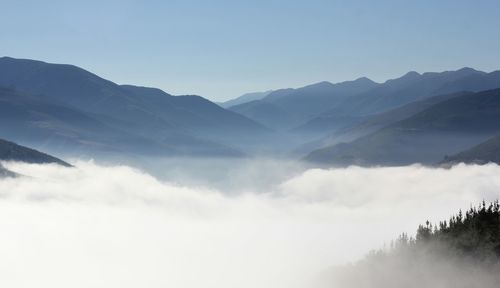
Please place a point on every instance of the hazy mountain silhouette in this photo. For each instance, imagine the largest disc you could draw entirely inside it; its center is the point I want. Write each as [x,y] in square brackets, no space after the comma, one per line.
[319,109]
[412,87]
[245,98]
[55,127]
[426,137]
[375,122]
[177,123]
[266,113]
[485,152]
[316,98]
[299,105]
[202,118]
[65,108]
[10,151]
[395,93]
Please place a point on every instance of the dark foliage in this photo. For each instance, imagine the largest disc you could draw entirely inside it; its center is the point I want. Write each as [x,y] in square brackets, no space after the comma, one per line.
[473,234]
[461,252]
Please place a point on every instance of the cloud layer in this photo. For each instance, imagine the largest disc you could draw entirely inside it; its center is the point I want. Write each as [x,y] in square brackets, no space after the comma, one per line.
[114,226]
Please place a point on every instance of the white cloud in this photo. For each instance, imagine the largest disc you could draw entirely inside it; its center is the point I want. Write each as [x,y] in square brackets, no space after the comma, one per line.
[97,226]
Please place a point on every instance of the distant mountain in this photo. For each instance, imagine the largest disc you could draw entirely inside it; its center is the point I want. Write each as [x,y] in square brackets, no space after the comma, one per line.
[475,81]
[202,118]
[443,129]
[320,109]
[10,151]
[245,98]
[63,108]
[374,122]
[266,113]
[486,152]
[316,98]
[414,86]
[299,105]
[55,127]
[398,92]
[178,124]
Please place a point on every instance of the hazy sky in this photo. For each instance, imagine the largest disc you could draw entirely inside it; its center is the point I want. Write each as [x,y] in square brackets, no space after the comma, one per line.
[221,49]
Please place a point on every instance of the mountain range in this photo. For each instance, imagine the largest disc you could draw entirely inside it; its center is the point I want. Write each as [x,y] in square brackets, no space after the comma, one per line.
[248,97]
[418,117]
[375,122]
[296,106]
[319,109]
[64,105]
[426,137]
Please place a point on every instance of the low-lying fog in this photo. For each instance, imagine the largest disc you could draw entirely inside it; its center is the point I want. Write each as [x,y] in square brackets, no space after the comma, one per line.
[114,226]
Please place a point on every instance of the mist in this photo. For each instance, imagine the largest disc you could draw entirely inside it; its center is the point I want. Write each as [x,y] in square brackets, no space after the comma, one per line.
[117,226]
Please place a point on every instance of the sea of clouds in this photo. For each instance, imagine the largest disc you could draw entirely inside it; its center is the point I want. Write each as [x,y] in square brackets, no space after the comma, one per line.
[115,226]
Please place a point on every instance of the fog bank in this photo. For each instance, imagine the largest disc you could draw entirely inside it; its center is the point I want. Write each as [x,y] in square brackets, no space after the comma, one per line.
[98,226]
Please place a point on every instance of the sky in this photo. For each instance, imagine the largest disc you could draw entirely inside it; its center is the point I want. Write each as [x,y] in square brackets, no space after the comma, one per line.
[221,49]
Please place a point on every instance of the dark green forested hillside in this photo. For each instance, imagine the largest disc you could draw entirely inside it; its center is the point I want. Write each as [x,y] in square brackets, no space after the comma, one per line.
[474,234]
[463,251]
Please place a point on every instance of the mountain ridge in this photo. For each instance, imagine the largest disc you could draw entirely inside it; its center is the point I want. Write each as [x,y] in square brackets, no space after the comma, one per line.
[184,123]
[442,129]
[482,153]
[10,151]
[245,98]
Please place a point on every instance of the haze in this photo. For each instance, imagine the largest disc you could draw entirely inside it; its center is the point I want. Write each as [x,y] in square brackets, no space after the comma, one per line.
[115,226]
[250,144]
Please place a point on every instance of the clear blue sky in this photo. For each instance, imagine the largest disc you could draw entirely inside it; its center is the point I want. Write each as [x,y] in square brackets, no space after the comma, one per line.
[221,49]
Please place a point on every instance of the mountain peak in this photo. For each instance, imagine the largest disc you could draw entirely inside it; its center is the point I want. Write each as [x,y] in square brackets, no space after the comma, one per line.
[364,80]
[469,70]
[465,71]
[322,84]
[411,74]
[405,79]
